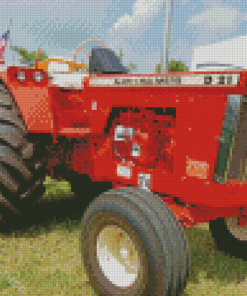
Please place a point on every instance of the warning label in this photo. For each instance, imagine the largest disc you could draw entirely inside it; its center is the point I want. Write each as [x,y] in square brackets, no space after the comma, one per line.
[196,168]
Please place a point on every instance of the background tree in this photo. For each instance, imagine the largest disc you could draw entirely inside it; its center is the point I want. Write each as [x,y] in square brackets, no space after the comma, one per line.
[158,68]
[176,66]
[28,58]
[120,56]
[131,66]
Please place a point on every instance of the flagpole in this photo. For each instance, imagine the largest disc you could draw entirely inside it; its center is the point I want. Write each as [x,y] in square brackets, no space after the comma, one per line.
[167,14]
[10,42]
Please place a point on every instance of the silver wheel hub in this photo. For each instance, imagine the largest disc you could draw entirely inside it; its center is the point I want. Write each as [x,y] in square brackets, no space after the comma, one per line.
[238,231]
[117,256]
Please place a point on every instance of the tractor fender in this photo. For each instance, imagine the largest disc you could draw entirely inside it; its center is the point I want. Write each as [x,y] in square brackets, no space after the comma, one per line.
[32,98]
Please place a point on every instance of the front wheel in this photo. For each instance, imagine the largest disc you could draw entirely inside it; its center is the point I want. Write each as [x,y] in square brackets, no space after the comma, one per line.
[132,244]
[230,237]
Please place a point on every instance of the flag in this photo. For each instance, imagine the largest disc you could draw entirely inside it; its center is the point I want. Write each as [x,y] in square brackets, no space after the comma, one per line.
[3,45]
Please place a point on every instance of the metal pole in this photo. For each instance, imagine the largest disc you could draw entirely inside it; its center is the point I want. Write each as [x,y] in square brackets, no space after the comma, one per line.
[10,42]
[37,60]
[162,49]
[167,30]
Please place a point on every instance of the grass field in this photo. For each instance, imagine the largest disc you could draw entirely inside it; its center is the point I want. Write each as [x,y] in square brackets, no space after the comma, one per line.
[48,261]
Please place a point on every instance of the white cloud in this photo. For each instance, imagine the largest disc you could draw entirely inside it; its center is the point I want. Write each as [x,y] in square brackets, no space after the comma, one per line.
[215,23]
[133,26]
[129,28]
[218,18]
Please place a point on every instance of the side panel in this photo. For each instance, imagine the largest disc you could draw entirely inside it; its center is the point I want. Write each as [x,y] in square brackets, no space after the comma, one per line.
[78,112]
[199,118]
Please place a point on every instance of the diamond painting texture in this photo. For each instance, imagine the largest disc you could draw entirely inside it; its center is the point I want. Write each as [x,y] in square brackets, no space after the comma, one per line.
[117,178]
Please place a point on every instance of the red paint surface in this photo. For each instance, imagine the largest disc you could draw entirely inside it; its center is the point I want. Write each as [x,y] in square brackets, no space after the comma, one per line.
[198,125]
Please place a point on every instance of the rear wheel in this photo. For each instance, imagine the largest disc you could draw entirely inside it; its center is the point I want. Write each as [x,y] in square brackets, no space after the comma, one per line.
[22,165]
[230,237]
[132,244]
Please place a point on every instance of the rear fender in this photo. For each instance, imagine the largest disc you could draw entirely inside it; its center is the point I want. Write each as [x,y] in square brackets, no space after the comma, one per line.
[32,99]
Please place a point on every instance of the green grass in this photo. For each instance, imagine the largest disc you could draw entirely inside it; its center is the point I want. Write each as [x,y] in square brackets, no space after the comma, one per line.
[212,272]
[48,262]
[56,190]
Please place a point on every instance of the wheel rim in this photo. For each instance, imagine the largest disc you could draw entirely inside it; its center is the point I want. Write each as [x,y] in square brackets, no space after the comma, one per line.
[117,256]
[239,231]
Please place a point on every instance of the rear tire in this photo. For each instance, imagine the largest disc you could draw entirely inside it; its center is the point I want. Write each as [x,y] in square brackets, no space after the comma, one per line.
[228,242]
[22,165]
[134,218]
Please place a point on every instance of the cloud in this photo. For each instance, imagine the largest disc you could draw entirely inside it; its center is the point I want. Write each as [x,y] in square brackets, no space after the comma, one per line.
[215,24]
[129,28]
[133,26]
[218,18]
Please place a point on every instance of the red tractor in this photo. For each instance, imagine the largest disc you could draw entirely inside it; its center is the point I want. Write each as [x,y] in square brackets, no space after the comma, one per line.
[159,152]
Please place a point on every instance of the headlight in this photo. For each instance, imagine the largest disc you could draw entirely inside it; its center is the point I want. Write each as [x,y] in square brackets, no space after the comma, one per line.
[37,76]
[20,76]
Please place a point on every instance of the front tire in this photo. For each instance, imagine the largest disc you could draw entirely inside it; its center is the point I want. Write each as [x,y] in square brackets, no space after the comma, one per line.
[142,241]
[229,237]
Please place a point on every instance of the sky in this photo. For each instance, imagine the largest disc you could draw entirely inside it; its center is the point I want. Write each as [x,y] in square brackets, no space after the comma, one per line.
[136,26]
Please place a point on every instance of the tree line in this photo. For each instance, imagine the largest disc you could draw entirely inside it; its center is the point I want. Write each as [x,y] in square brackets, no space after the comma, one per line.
[28,58]
[173,65]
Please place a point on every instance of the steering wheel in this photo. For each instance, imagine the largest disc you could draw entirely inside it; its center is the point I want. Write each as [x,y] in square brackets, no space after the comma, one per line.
[83,43]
